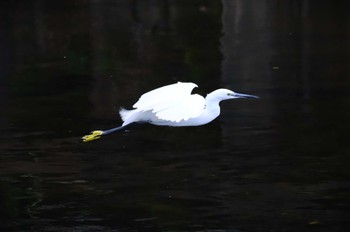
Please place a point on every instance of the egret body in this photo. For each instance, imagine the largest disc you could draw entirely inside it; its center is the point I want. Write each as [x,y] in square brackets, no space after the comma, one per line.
[173,105]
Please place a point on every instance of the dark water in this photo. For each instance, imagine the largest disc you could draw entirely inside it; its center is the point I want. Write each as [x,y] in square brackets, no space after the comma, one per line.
[280,163]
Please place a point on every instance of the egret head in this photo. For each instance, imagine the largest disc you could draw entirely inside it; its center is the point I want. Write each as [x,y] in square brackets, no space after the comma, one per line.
[225,94]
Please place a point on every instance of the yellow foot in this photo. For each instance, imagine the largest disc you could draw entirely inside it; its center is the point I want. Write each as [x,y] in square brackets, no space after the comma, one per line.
[94,135]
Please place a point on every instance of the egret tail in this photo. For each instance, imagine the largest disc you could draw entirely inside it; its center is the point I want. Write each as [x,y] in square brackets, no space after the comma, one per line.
[98,133]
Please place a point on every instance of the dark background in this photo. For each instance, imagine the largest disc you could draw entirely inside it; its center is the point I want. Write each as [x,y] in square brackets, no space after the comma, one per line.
[280,163]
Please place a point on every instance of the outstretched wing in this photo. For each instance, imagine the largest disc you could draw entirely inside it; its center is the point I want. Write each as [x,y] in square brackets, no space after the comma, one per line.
[188,107]
[172,102]
[164,95]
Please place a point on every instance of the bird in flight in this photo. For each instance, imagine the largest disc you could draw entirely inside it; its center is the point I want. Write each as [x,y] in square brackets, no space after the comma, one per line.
[172,105]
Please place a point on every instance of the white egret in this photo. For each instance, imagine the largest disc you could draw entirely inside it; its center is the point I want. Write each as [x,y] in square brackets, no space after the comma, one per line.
[173,105]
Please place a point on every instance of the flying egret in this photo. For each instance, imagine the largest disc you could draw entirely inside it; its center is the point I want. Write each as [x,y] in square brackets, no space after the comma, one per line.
[173,105]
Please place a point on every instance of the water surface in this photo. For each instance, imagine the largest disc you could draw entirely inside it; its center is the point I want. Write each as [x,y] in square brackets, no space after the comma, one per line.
[279,163]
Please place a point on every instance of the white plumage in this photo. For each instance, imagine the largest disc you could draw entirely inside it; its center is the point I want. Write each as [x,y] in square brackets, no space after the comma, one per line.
[173,105]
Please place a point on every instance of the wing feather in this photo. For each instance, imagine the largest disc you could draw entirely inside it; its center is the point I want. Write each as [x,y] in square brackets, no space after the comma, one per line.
[172,102]
[188,107]
[164,96]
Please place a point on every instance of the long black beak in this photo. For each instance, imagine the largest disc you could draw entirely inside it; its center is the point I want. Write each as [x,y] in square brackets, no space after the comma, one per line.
[241,95]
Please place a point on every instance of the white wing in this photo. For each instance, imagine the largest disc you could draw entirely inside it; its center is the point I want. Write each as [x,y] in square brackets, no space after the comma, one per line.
[172,102]
[164,95]
[188,107]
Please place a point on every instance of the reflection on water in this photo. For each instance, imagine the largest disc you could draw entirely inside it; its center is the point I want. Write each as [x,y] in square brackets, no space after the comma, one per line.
[279,163]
